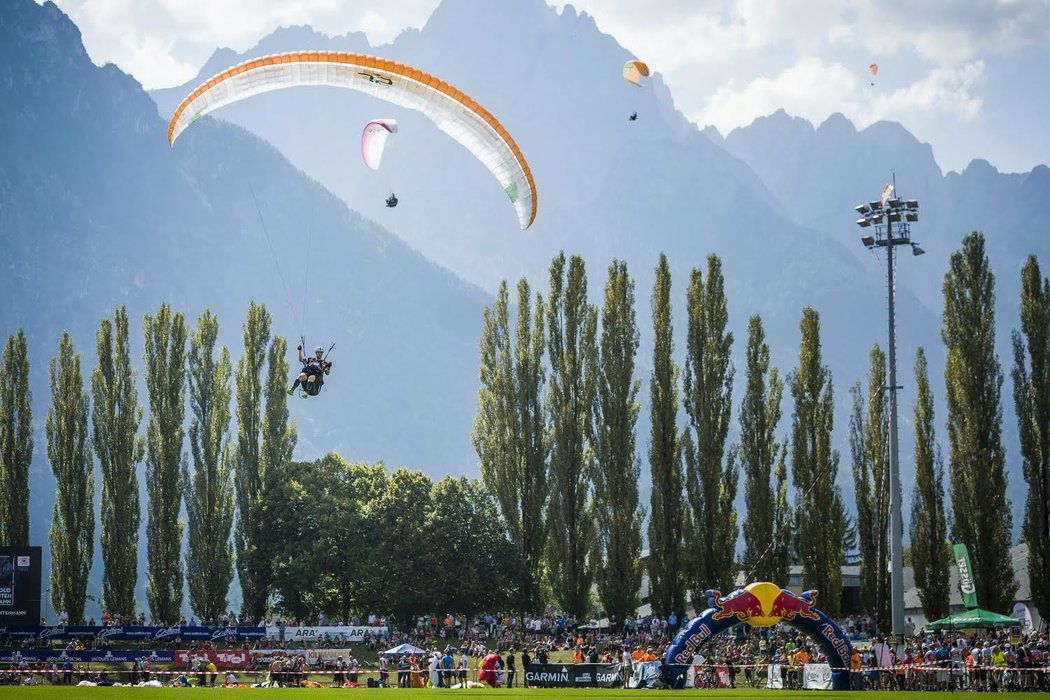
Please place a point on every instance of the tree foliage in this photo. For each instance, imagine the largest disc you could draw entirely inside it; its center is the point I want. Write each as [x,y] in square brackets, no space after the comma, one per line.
[666,516]
[72,536]
[165,464]
[616,468]
[209,493]
[869,450]
[973,382]
[509,430]
[820,516]
[929,529]
[1031,378]
[572,325]
[250,532]
[16,442]
[115,418]
[759,450]
[711,475]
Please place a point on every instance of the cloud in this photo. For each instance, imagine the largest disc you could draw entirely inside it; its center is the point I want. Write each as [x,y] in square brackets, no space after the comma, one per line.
[164,42]
[811,88]
[946,91]
[815,89]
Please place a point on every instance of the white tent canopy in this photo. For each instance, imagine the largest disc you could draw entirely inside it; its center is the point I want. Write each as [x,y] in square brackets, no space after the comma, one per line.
[404,649]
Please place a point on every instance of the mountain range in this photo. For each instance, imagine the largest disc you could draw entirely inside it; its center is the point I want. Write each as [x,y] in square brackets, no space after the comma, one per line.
[268,200]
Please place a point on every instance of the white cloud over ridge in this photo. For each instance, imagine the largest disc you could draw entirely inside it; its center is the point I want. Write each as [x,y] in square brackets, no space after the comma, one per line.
[726,62]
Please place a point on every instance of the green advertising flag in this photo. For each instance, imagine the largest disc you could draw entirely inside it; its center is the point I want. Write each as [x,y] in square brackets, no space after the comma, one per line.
[966,582]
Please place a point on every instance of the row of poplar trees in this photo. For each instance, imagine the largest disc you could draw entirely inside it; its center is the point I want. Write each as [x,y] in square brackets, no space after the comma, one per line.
[103,420]
[556,436]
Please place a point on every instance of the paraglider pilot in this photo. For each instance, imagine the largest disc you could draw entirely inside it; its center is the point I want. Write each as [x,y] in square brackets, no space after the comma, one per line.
[633,117]
[314,370]
[391,201]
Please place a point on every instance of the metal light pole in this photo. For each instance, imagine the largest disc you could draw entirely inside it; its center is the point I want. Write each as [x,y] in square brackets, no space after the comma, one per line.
[883,214]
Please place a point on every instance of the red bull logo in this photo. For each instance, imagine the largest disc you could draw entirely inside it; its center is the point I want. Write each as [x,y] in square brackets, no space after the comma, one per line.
[763,604]
[740,605]
[787,606]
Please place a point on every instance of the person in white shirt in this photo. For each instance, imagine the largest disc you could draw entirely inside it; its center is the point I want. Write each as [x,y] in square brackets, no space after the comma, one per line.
[432,666]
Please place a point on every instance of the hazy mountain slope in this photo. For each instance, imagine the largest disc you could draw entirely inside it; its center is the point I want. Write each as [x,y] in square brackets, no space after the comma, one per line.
[607,187]
[96,211]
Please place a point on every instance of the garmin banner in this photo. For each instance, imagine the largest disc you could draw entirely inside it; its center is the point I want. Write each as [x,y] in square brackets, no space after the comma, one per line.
[135,634]
[573,676]
[20,585]
[87,656]
[351,635]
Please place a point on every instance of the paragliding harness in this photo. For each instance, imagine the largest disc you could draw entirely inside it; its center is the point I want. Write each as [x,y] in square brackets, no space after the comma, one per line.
[314,369]
[391,201]
[633,117]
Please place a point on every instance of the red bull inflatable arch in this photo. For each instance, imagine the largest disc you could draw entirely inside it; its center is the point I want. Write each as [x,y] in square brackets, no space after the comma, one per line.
[760,604]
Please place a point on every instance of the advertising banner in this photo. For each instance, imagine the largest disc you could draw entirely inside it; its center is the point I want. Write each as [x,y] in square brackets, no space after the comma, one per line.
[351,635]
[88,655]
[223,659]
[816,677]
[966,583]
[20,585]
[135,634]
[573,676]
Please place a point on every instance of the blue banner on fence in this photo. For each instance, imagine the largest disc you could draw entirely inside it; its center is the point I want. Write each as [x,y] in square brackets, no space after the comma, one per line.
[134,634]
[87,656]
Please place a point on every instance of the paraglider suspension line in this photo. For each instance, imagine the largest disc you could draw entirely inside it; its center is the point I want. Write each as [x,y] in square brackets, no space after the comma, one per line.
[276,261]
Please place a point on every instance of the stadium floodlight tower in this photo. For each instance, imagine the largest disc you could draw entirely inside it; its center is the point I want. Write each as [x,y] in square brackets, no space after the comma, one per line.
[891,219]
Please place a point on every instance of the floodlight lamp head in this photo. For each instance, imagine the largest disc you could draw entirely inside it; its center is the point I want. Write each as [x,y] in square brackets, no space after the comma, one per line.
[916,250]
[911,217]
[861,209]
[864,223]
[912,204]
[868,241]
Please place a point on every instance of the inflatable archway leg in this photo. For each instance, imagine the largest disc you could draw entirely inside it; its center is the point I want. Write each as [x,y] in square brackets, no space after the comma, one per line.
[698,631]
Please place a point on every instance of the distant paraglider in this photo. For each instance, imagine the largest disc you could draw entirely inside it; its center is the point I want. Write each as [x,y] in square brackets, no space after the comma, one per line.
[391,201]
[874,68]
[373,141]
[633,72]
[456,114]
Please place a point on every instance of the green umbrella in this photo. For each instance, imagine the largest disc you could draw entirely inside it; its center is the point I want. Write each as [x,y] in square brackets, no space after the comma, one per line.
[972,618]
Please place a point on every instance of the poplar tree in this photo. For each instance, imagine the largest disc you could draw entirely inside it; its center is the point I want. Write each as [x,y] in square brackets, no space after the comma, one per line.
[116,416]
[572,325]
[820,515]
[929,530]
[278,443]
[509,427]
[252,565]
[973,382]
[759,450]
[166,471]
[666,516]
[1031,377]
[209,494]
[616,467]
[870,466]
[16,442]
[72,537]
[711,474]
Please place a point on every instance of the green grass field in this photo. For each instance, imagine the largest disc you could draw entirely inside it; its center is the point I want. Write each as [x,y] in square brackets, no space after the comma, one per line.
[66,693]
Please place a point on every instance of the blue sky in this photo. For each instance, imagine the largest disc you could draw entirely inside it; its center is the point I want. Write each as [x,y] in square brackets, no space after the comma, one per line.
[967,76]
